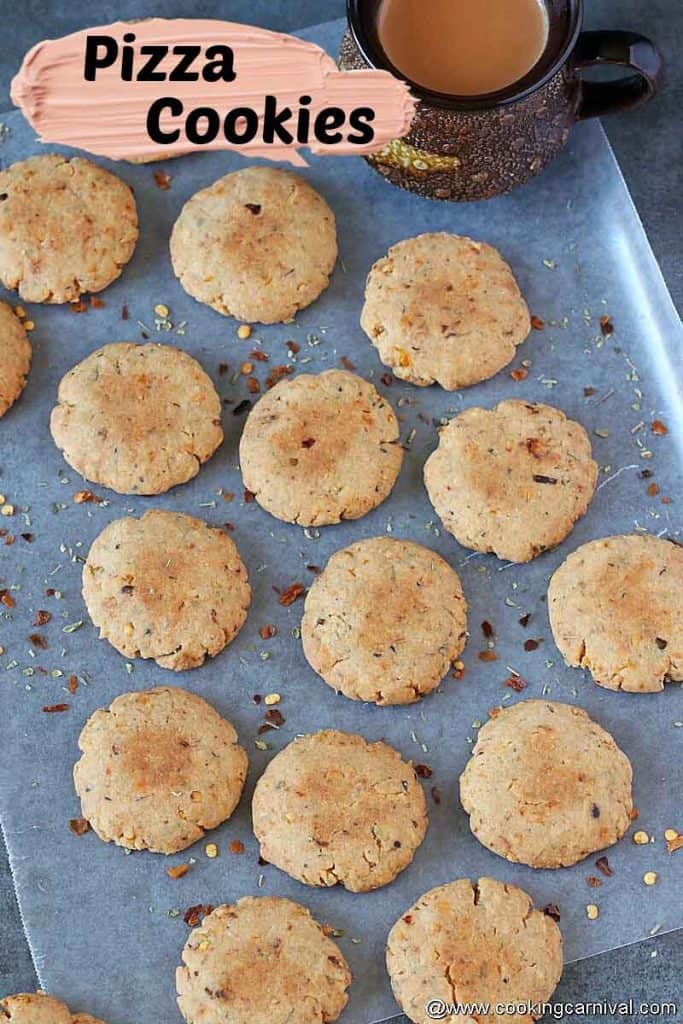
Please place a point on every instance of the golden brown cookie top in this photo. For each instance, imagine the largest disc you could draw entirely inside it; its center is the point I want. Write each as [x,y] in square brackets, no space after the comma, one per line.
[511,480]
[332,808]
[320,448]
[67,226]
[158,769]
[384,621]
[15,357]
[546,785]
[259,244]
[615,609]
[139,419]
[481,943]
[265,959]
[443,308]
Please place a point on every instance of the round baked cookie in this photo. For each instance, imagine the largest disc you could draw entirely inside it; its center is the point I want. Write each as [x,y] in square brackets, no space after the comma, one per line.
[321,448]
[15,356]
[615,609]
[443,308]
[473,943]
[511,480]
[166,586]
[384,621]
[138,419]
[332,808]
[264,959]
[67,227]
[37,1008]
[159,768]
[259,244]
[546,785]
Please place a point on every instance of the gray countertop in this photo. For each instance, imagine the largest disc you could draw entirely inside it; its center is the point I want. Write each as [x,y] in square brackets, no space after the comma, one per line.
[649,146]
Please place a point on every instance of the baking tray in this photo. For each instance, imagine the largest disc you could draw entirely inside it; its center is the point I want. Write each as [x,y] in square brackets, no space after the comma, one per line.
[106,928]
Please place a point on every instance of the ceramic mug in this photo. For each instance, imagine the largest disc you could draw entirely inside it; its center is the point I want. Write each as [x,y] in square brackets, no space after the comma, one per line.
[474,147]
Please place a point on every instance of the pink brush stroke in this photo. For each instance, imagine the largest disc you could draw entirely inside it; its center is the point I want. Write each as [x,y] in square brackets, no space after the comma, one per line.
[108,117]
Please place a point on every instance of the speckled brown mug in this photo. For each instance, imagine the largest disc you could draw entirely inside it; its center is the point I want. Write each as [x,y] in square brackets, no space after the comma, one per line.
[474,147]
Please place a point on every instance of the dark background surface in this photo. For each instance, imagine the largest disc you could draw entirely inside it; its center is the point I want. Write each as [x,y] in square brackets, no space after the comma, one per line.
[649,146]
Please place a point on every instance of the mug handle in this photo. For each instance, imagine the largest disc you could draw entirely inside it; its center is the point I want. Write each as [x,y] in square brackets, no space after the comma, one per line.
[628,49]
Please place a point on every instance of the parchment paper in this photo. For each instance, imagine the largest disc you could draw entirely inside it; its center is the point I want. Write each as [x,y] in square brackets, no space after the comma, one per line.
[106,929]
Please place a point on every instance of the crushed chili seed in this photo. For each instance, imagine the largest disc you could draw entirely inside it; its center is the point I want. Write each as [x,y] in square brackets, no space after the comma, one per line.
[73,684]
[291,594]
[248,496]
[516,683]
[275,717]
[539,478]
[178,871]
[162,180]
[423,771]
[42,618]
[276,375]
[602,864]
[436,795]
[236,846]
[7,599]
[253,386]
[39,641]
[594,882]
[606,325]
[652,490]
[195,915]
[519,373]
[552,910]
[488,656]
[537,323]
[532,645]
[246,369]
[266,632]
[50,708]
[347,364]
[657,427]
[525,619]
[79,826]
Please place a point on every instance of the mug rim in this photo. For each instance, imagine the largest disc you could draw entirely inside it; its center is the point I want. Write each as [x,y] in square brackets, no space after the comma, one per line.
[375,57]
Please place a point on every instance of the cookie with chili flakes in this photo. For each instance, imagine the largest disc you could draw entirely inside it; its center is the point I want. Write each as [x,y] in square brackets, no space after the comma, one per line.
[37,1008]
[262,959]
[479,942]
[67,227]
[158,769]
[615,609]
[332,808]
[384,621]
[320,448]
[15,357]
[259,244]
[443,308]
[511,480]
[166,586]
[546,785]
[139,419]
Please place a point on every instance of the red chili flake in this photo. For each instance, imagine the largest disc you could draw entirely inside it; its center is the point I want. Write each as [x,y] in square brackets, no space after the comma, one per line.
[532,645]
[552,910]
[308,442]
[516,683]
[78,306]
[276,375]
[85,497]
[162,180]
[266,632]
[259,356]
[254,208]
[275,717]
[79,826]
[42,618]
[652,490]
[291,594]
[248,496]
[96,302]
[657,427]
[293,347]
[7,599]
[488,656]
[9,540]
[236,846]
[525,619]
[408,918]
[253,386]
[178,871]
[606,326]
[537,323]
[594,882]
[347,364]
[487,629]
[436,795]
[423,771]
[124,312]
[39,641]
[602,864]
[519,373]
[50,708]
[73,684]
[195,915]
[387,379]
